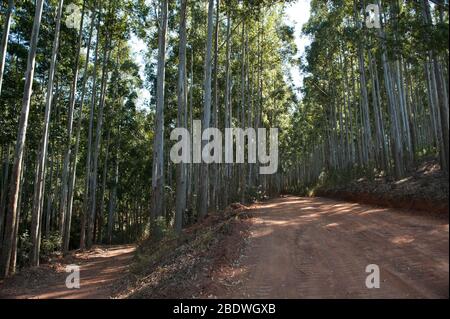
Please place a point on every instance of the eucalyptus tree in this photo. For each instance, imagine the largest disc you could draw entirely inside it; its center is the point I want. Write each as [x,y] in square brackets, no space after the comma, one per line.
[11,216]
[182,118]
[87,189]
[206,122]
[5,39]
[158,148]
[405,102]
[96,149]
[38,201]
[64,220]
[71,189]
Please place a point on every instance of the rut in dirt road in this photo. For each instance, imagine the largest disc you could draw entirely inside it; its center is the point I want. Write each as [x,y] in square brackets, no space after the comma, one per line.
[320,248]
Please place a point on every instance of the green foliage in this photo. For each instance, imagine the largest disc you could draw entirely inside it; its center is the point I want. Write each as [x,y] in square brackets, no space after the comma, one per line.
[160,229]
[24,248]
[50,244]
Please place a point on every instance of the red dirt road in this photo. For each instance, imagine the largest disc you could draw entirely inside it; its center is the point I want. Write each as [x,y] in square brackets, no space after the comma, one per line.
[99,270]
[297,248]
[319,248]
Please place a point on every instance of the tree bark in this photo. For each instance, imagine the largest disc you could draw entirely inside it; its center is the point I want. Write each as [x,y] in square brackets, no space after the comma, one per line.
[98,136]
[67,223]
[4,196]
[215,114]
[40,173]
[67,155]
[5,37]
[85,217]
[182,114]
[204,178]
[158,148]
[113,200]
[227,120]
[12,218]
[104,180]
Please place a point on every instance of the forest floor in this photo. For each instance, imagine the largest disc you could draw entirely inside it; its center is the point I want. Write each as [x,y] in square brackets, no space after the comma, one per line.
[288,247]
[100,268]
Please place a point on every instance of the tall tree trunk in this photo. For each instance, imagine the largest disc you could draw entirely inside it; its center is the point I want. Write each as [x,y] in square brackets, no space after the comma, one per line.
[379,126]
[442,102]
[98,137]
[102,196]
[4,196]
[215,114]
[49,197]
[67,155]
[244,44]
[182,114]
[158,148]
[67,223]
[191,121]
[367,132]
[113,199]
[258,117]
[5,36]
[12,218]
[395,125]
[12,266]
[227,123]
[40,173]
[204,178]
[85,217]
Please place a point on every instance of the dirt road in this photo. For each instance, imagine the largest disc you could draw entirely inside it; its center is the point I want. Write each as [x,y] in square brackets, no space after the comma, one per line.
[297,248]
[99,269]
[319,248]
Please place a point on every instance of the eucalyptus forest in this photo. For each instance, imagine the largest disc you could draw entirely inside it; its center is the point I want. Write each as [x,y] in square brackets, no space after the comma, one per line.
[90,91]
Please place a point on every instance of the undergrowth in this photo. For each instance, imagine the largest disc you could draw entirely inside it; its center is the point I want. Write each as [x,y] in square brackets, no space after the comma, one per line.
[167,263]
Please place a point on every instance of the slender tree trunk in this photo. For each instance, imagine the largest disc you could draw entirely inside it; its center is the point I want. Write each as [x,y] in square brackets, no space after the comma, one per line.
[4,195]
[40,173]
[113,200]
[12,267]
[191,178]
[98,136]
[204,178]
[181,168]
[158,148]
[242,188]
[5,37]
[102,196]
[258,117]
[85,217]
[49,198]
[67,224]
[215,114]
[12,217]
[376,100]
[65,172]
[227,123]
[395,125]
